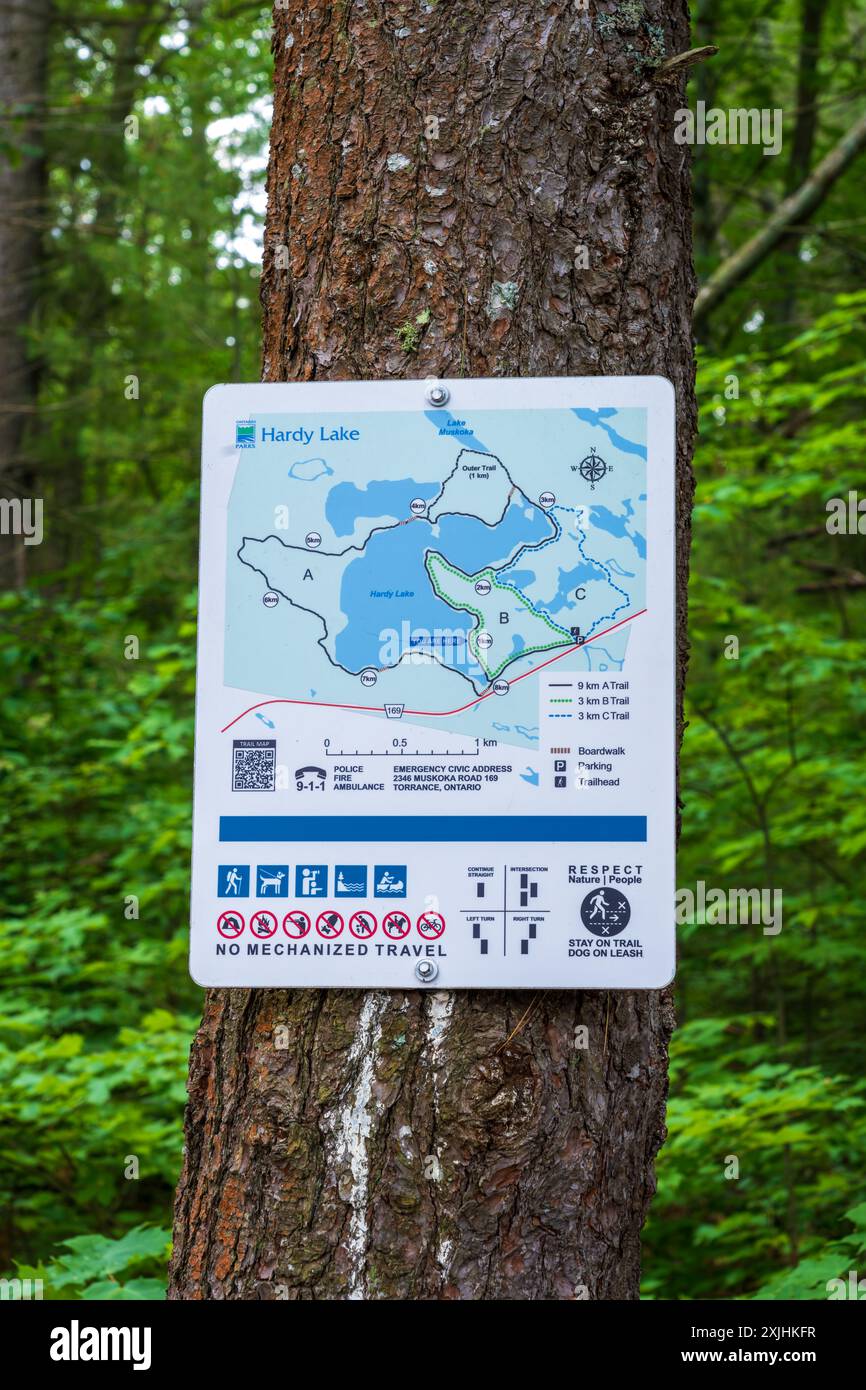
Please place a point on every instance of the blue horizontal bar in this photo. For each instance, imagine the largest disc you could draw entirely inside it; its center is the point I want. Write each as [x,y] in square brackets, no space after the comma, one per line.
[382,829]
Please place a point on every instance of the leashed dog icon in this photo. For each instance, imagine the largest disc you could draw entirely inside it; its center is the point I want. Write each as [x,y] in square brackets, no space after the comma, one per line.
[270,880]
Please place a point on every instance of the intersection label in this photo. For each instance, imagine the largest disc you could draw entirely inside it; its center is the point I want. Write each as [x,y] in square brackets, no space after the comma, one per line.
[436,665]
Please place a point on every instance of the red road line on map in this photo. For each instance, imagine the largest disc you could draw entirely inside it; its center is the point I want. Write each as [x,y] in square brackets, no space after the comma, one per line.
[441,713]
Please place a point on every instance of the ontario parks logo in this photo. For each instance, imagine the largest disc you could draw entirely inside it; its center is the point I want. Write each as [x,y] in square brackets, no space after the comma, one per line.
[245,434]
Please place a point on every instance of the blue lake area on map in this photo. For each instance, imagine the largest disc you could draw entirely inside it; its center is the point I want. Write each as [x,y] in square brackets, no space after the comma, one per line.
[465,541]
[310,470]
[600,418]
[388,584]
[521,579]
[568,582]
[348,503]
[615,525]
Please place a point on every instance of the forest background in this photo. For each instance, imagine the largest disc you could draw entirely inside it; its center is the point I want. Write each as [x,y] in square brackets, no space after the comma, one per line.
[133,140]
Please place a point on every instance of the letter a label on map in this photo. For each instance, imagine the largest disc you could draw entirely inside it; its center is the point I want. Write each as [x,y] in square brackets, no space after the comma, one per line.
[436,665]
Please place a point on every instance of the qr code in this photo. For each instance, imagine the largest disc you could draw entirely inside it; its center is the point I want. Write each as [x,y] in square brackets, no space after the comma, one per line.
[254,764]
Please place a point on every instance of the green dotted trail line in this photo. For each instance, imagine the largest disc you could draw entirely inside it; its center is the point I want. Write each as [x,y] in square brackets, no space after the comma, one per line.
[478,614]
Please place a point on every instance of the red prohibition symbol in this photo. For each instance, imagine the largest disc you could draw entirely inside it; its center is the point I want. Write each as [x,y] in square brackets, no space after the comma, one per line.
[431,925]
[230,924]
[263,924]
[296,924]
[329,924]
[396,925]
[362,924]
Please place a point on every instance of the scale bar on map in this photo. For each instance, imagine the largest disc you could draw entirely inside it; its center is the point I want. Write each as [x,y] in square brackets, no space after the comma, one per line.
[499,829]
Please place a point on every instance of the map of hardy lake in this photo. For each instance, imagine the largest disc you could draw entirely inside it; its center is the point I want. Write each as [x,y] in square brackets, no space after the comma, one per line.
[421,560]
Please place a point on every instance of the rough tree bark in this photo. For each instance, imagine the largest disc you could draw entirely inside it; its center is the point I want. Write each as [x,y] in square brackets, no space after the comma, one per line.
[451,159]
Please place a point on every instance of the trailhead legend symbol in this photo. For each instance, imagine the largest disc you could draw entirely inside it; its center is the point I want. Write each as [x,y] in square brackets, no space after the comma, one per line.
[605,911]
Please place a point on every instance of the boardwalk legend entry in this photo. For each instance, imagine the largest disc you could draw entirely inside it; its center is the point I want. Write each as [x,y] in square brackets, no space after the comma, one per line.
[435,703]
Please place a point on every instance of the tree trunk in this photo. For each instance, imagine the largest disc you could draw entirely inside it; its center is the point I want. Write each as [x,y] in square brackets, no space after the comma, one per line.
[812,16]
[396,1145]
[24,26]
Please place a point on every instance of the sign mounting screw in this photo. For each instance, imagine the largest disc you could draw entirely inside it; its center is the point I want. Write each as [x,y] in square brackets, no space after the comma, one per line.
[437,394]
[426,970]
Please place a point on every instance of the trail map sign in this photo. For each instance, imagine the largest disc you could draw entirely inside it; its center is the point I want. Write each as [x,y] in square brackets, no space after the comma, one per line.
[435,709]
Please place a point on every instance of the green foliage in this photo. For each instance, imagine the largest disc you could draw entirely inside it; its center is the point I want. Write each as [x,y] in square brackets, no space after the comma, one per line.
[148,295]
[90,1271]
[766,1063]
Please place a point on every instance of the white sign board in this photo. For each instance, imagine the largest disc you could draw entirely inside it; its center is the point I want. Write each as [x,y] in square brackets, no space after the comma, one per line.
[435,709]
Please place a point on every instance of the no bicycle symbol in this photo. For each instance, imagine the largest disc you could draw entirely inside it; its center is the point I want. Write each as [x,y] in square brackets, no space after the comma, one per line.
[230,924]
[396,925]
[431,925]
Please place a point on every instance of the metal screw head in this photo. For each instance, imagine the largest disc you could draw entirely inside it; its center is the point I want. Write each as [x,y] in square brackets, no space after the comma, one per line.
[426,970]
[437,394]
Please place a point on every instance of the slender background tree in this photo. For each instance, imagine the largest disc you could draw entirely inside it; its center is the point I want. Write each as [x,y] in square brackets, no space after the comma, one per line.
[489,189]
[24,34]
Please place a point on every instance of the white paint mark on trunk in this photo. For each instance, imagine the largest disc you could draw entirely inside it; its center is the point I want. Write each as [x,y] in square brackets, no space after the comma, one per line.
[351,1124]
[439,1012]
[438,1019]
[443,1256]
